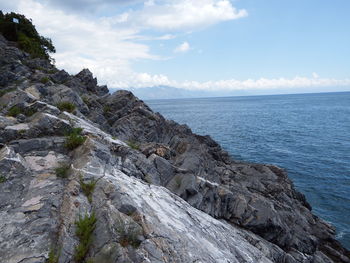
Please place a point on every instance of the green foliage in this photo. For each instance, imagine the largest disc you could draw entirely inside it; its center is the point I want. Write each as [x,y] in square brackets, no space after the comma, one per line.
[44,80]
[25,34]
[66,106]
[85,227]
[128,233]
[87,188]
[2,179]
[29,112]
[53,256]
[86,100]
[74,139]
[62,171]
[14,111]
[51,71]
[133,145]
[106,108]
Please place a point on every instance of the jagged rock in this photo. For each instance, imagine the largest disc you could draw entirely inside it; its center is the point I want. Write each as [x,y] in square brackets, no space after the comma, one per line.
[90,83]
[61,93]
[60,77]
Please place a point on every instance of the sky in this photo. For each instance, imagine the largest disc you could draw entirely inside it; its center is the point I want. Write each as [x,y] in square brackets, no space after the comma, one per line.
[216,46]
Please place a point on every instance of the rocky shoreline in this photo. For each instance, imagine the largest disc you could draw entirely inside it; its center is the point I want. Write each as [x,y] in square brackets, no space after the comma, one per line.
[152,190]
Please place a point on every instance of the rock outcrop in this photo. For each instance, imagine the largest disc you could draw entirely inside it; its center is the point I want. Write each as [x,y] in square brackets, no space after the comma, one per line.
[112,181]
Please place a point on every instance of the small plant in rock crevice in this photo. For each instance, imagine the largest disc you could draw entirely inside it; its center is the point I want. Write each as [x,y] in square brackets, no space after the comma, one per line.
[87,188]
[29,112]
[85,100]
[106,108]
[66,106]
[74,138]
[62,171]
[44,80]
[85,227]
[128,233]
[53,256]
[2,179]
[133,145]
[14,111]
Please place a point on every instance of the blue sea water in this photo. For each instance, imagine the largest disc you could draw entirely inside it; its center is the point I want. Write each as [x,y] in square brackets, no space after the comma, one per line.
[307,134]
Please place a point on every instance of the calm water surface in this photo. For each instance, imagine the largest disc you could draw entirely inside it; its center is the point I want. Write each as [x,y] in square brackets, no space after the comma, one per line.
[307,134]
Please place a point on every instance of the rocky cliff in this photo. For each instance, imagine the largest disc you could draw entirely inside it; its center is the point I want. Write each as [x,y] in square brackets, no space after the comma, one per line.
[88,176]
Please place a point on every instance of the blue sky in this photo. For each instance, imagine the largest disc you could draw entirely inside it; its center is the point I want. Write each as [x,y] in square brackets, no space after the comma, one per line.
[201,45]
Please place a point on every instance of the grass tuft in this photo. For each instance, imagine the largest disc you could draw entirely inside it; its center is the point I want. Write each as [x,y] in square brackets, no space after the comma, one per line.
[14,111]
[53,256]
[87,188]
[85,100]
[62,171]
[85,227]
[133,145]
[2,179]
[66,106]
[44,80]
[74,139]
[106,108]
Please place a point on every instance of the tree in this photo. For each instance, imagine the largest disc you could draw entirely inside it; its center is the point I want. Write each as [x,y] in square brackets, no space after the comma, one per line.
[25,34]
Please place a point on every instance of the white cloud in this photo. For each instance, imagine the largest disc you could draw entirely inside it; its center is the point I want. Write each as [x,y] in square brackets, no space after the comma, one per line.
[247,85]
[182,14]
[94,44]
[183,48]
[108,46]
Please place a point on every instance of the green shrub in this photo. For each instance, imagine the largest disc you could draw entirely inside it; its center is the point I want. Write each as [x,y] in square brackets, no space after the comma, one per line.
[14,111]
[44,80]
[53,256]
[66,106]
[85,100]
[2,179]
[29,112]
[51,71]
[62,171]
[74,139]
[133,145]
[25,34]
[128,233]
[87,188]
[106,108]
[85,227]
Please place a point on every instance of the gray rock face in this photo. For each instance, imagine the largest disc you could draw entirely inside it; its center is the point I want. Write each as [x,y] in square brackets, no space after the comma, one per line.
[158,192]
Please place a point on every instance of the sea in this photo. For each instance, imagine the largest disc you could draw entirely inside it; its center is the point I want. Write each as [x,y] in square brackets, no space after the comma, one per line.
[306,134]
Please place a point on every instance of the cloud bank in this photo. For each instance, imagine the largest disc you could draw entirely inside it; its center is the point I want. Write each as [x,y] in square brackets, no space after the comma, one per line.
[181,15]
[109,46]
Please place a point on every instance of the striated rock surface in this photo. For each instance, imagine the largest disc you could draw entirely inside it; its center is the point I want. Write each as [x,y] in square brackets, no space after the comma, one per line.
[152,190]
